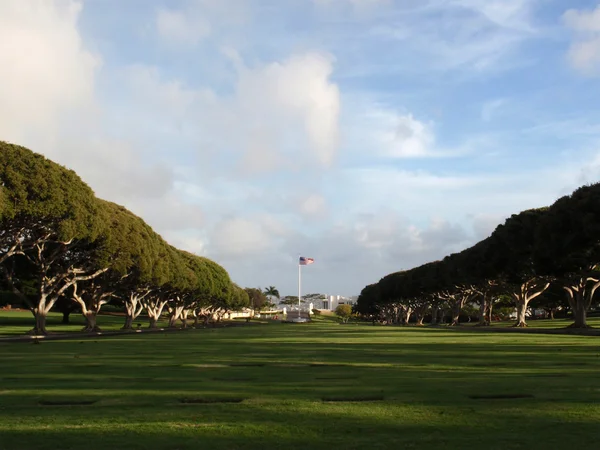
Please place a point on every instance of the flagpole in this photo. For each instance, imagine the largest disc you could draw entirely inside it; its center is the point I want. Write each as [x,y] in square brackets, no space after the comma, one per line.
[299,284]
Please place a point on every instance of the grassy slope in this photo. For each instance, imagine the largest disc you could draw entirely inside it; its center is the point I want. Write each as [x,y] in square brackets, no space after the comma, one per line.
[425,376]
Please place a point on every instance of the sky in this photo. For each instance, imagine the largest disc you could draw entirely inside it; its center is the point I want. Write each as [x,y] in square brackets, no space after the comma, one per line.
[370,135]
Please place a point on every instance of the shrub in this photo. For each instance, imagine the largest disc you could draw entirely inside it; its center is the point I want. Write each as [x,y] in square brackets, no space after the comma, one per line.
[344,312]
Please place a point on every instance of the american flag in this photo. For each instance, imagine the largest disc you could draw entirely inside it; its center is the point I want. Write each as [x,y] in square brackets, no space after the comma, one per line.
[306,261]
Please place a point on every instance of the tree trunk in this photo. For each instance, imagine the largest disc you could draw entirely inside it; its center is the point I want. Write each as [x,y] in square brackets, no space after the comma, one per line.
[552,314]
[484,305]
[434,315]
[406,316]
[128,322]
[420,319]
[184,317]
[442,316]
[456,310]
[133,307]
[397,316]
[457,307]
[175,315]
[91,321]
[521,314]
[482,311]
[65,319]
[155,309]
[580,315]
[40,322]
[40,312]
[580,298]
[132,312]
[527,292]
[489,311]
[579,305]
[455,319]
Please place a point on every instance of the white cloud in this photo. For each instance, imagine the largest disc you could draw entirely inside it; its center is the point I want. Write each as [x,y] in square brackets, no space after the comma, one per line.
[297,89]
[176,149]
[313,205]
[485,224]
[383,131]
[355,250]
[115,169]
[490,108]
[170,213]
[583,20]
[247,237]
[390,220]
[585,56]
[510,14]
[406,136]
[191,242]
[584,53]
[369,246]
[471,36]
[46,72]
[168,101]
[177,26]
[50,104]
[280,115]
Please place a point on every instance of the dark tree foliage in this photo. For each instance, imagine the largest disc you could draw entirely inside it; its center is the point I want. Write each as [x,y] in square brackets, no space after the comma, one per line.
[530,251]
[567,248]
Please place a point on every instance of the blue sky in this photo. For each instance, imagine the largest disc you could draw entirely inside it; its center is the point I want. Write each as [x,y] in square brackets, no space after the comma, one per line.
[371,135]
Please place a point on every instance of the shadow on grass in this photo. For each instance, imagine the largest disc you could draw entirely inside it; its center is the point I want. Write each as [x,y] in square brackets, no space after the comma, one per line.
[425,380]
[314,426]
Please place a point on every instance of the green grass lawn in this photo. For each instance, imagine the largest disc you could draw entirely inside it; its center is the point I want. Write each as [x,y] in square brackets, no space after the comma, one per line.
[318,385]
[14,323]
[545,323]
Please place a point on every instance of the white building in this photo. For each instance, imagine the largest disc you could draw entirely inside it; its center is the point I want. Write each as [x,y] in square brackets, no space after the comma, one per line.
[330,302]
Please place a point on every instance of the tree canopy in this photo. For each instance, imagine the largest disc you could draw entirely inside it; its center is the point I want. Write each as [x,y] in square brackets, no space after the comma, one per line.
[59,239]
[559,244]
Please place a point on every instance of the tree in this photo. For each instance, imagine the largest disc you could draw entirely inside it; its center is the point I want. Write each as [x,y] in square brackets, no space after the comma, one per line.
[66,306]
[553,300]
[272,291]
[62,243]
[344,312]
[311,298]
[176,282]
[257,298]
[49,217]
[289,300]
[456,281]
[368,300]
[522,257]
[222,288]
[240,298]
[567,248]
[123,247]
[513,244]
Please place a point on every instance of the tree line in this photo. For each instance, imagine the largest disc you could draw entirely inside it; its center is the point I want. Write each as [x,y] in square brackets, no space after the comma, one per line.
[530,254]
[59,242]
